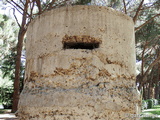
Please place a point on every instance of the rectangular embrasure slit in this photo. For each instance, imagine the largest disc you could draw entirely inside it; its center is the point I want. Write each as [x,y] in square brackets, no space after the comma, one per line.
[80,45]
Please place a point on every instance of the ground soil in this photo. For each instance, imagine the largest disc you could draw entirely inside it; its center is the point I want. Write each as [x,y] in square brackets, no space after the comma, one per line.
[7,115]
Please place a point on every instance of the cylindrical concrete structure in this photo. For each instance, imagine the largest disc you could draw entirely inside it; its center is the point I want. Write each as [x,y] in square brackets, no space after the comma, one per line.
[80,66]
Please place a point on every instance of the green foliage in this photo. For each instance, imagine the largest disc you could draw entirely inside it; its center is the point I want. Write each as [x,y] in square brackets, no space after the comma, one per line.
[83,2]
[2,111]
[148,37]
[8,65]
[8,34]
[149,34]
[147,47]
[6,96]
[6,91]
[149,118]
[8,44]
[155,102]
[149,103]
[151,114]
[144,104]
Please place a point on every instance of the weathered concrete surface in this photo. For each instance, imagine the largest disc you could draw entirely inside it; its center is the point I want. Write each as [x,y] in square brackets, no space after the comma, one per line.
[80,84]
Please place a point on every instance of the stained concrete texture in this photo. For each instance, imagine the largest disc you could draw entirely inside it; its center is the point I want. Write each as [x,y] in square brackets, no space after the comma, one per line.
[80,66]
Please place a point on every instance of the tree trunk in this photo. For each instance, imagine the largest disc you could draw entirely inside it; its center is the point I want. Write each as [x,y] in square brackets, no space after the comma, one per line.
[157,89]
[150,86]
[22,31]
[138,82]
[149,90]
[17,71]
[144,92]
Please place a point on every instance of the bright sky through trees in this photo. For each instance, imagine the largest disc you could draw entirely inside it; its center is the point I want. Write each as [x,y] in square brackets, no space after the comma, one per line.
[9,11]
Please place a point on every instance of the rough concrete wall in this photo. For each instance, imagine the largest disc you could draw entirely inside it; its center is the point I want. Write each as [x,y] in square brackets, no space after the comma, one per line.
[80,84]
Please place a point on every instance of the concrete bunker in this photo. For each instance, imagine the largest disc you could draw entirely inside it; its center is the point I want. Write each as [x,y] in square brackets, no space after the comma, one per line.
[94,82]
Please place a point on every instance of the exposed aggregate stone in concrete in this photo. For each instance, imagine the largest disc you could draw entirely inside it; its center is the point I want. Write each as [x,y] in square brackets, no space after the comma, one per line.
[80,84]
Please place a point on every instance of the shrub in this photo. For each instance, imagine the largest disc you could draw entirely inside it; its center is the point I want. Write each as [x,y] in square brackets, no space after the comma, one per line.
[150,103]
[6,92]
[155,102]
[6,97]
[144,104]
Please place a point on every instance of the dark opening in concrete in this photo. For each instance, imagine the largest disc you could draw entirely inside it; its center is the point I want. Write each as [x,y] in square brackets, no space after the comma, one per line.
[80,45]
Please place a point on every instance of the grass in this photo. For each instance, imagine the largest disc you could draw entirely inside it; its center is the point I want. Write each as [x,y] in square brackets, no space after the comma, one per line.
[149,118]
[151,114]
[2,111]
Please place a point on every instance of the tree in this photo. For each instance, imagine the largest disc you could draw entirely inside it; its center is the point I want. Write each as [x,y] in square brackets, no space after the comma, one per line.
[145,16]
[30,9]
[8,44]
[147,39]
[8,34]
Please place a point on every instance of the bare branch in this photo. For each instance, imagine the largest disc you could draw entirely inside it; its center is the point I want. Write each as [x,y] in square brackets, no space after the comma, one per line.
[156,61]
[137,28]
[15,17]
[16,4]
[137,12]
[15,7]
[128,3]
[38,2]
[143,61]
[150,5]
[24,18]
[31,7]
[124,3]
[50,4]
[22,2]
